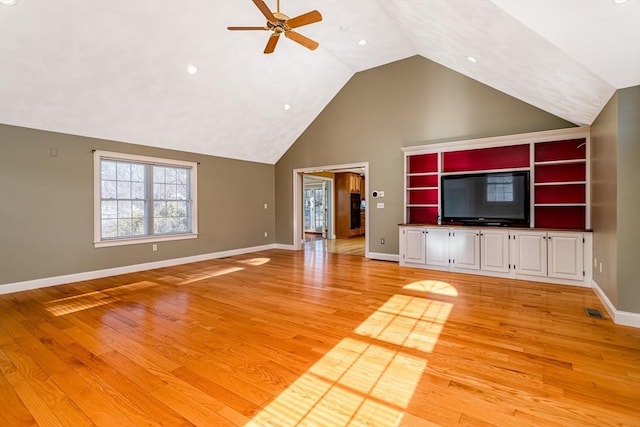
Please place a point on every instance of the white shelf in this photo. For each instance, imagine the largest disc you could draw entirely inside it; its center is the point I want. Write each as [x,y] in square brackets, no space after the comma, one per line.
[560,162]
[540,184]
[422,173]
[560,204]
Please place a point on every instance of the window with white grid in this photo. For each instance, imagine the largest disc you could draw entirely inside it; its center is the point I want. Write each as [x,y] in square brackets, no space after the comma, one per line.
[142,199]
[500,189]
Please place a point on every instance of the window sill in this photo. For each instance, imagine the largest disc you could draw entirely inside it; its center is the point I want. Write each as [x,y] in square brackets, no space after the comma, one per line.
[140,240]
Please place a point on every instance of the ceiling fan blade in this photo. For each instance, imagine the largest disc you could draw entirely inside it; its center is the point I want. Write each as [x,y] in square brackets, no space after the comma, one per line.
[304,19]
[304,41]
[246,28]
[271,43]
[265,10]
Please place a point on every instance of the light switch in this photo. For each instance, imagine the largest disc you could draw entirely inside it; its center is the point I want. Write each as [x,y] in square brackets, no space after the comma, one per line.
[380,205]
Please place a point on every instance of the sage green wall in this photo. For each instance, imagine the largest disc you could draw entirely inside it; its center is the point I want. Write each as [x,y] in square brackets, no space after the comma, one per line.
[604,182]
[406,103]
[628,211]
[615,176]
[46,206]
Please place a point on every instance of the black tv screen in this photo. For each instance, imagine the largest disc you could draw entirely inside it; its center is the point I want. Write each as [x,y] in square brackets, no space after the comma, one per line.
[486,198]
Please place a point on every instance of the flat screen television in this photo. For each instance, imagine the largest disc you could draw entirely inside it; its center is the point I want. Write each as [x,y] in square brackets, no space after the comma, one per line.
[500,199]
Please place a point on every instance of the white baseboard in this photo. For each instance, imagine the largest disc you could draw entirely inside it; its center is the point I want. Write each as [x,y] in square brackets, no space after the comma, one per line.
[283,246]
[89,275]
[384,257]
[619,317]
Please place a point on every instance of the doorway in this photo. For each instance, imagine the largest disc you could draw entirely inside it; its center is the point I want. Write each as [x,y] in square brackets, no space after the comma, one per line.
[317,210]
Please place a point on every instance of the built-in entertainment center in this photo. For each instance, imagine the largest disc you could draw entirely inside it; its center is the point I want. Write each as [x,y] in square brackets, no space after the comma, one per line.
[513,206]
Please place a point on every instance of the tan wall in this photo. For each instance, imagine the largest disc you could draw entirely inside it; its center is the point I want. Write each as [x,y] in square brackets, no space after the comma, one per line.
[604,181]
[410,102]
[628,211]
[46,206]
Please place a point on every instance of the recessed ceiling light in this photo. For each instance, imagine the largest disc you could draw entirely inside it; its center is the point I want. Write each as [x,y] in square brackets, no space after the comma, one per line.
[472,59]
[192,69]
[8,2]
[287,106]
[362,42]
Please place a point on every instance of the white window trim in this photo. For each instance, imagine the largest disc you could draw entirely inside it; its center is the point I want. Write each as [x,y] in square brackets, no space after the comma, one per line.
[97,237]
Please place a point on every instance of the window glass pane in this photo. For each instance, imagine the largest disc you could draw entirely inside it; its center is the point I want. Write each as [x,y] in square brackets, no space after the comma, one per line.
[181,176]
[137,190]
[109,209]
[108,169]
[171,193]
[124,209]
[159,191]
[181,192]
[109,189]
[124,171]
[137,209]
[170,175]
[124,227]
[158,174]
[124,190]
[109,228]
[137,173]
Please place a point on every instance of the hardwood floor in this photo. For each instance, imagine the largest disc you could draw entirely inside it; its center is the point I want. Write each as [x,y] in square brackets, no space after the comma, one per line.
[351,246]
[284,338]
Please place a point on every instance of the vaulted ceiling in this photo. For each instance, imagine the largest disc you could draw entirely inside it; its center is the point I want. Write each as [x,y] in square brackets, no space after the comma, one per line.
[117,69]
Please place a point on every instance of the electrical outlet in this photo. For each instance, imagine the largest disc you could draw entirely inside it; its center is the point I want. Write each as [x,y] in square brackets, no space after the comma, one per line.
[265,206]
[595,262]
[266,234]
[382,240]
[154,247]
[600,267]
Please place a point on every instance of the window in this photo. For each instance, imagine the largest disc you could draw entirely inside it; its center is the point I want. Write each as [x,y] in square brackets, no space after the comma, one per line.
[142,199]
[500,189]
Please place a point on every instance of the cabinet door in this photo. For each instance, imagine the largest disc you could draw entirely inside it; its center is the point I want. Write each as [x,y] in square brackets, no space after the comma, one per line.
[437,247]
[494,250]
[413,245]
[531,253]
[566,255]
[465,249]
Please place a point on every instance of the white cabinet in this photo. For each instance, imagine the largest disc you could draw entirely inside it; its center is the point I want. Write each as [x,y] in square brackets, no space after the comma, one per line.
[556,256]
[412,240]
[465,249]
[494,247]
[437,247]
[530,253]
[565,255]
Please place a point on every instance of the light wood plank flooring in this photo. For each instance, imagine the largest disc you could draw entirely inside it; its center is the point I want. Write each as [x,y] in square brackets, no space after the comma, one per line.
[282,338]
[351,246]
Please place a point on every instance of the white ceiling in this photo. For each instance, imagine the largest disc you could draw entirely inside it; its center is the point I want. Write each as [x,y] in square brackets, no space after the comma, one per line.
[117,69]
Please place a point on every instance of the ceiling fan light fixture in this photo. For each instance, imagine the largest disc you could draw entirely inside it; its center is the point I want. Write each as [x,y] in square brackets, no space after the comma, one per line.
[192,69]
[287,107]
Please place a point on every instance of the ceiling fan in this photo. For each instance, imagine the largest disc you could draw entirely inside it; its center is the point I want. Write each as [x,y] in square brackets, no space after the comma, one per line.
[279,23]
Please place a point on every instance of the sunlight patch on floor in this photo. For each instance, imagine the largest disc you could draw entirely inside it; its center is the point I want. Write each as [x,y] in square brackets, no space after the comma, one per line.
[209,274]
[255,261]
[355,383]
[358,383]
[433,286]
[407,321]
[67,305]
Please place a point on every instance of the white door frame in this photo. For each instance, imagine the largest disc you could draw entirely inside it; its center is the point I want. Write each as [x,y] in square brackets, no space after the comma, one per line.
[298,186]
